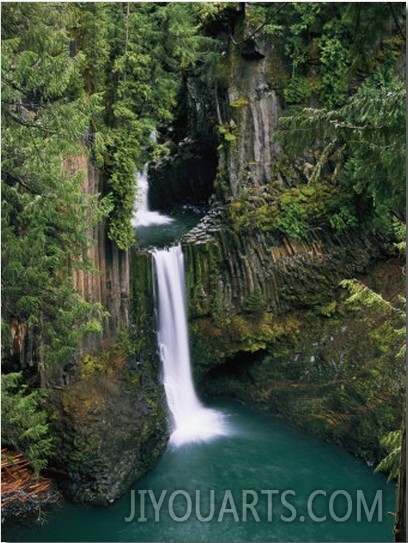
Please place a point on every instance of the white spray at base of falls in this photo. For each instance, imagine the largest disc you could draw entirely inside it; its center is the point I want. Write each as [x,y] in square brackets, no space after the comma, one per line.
[142,216]
[191,421]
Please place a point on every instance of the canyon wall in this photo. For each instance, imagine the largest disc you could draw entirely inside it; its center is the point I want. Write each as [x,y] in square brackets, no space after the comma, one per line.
[108,411]
[269,321]
[110,284]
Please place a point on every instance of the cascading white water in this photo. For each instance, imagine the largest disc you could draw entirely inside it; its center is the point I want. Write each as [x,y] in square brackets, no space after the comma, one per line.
[142,216]
[191,421]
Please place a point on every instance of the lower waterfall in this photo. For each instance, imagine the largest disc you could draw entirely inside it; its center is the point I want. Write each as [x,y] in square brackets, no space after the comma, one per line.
[191,421]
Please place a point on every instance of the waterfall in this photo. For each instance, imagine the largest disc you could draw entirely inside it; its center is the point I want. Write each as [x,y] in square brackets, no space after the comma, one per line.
[191,421]
[142,216]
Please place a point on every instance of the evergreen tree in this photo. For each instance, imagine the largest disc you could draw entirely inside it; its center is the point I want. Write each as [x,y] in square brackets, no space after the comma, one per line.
[45,216]
[392,444]
[368,136]
[76,78]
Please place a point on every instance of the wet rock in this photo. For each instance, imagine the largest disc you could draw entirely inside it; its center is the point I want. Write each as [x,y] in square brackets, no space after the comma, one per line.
[250,50]
[112,428]
[32,506]
[289,274]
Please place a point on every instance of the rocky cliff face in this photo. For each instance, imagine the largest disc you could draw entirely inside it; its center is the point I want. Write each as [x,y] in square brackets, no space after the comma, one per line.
[109,417]
[227,268]
[249,117]
[268,320]
[269,325]
[110,426]
[110,285]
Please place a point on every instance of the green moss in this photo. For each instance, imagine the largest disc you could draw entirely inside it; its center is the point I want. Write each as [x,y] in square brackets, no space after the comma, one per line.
[108,362]
[294,211]
[228,132]
[215,340]
[239,103]
[337,377]
[92,364]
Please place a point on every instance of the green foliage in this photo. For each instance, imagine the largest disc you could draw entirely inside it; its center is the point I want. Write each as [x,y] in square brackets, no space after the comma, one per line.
[122,191]
[128,344]
[255,302]
[343,220]
[107,363]
[362,295]
[327,310]
[298,90]
[368,135]
[46,218]
[228,132]
[327,44]
[89,33]
[390,464]
[292,220]
[334,48]
[376,167]
[400,233]
[24,425]
[294,212]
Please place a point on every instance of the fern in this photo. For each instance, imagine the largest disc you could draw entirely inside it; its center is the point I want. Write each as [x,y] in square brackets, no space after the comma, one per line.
[390,464]
[24,424]
[361,294]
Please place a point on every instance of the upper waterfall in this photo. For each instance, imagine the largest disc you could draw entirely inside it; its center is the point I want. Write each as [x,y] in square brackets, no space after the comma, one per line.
[191,421]
[142,216]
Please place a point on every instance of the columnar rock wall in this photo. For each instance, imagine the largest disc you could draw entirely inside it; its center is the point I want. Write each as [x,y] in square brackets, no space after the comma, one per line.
[250,114]
[109,285]
[109,418]
[226,268]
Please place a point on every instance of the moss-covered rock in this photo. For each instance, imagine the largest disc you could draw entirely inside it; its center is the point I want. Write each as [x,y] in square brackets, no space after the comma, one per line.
[269,325]
[329,369]
[225,267]
[110,420]
[110,424]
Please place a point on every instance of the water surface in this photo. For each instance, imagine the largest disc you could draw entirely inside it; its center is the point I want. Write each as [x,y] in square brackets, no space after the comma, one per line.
[159,235]
[264,453]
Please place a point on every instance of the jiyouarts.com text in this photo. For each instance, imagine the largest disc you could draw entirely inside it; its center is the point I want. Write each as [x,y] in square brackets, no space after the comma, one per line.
[254,505]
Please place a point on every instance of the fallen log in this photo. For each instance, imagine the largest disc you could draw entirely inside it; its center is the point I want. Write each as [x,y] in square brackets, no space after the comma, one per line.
[22,490]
